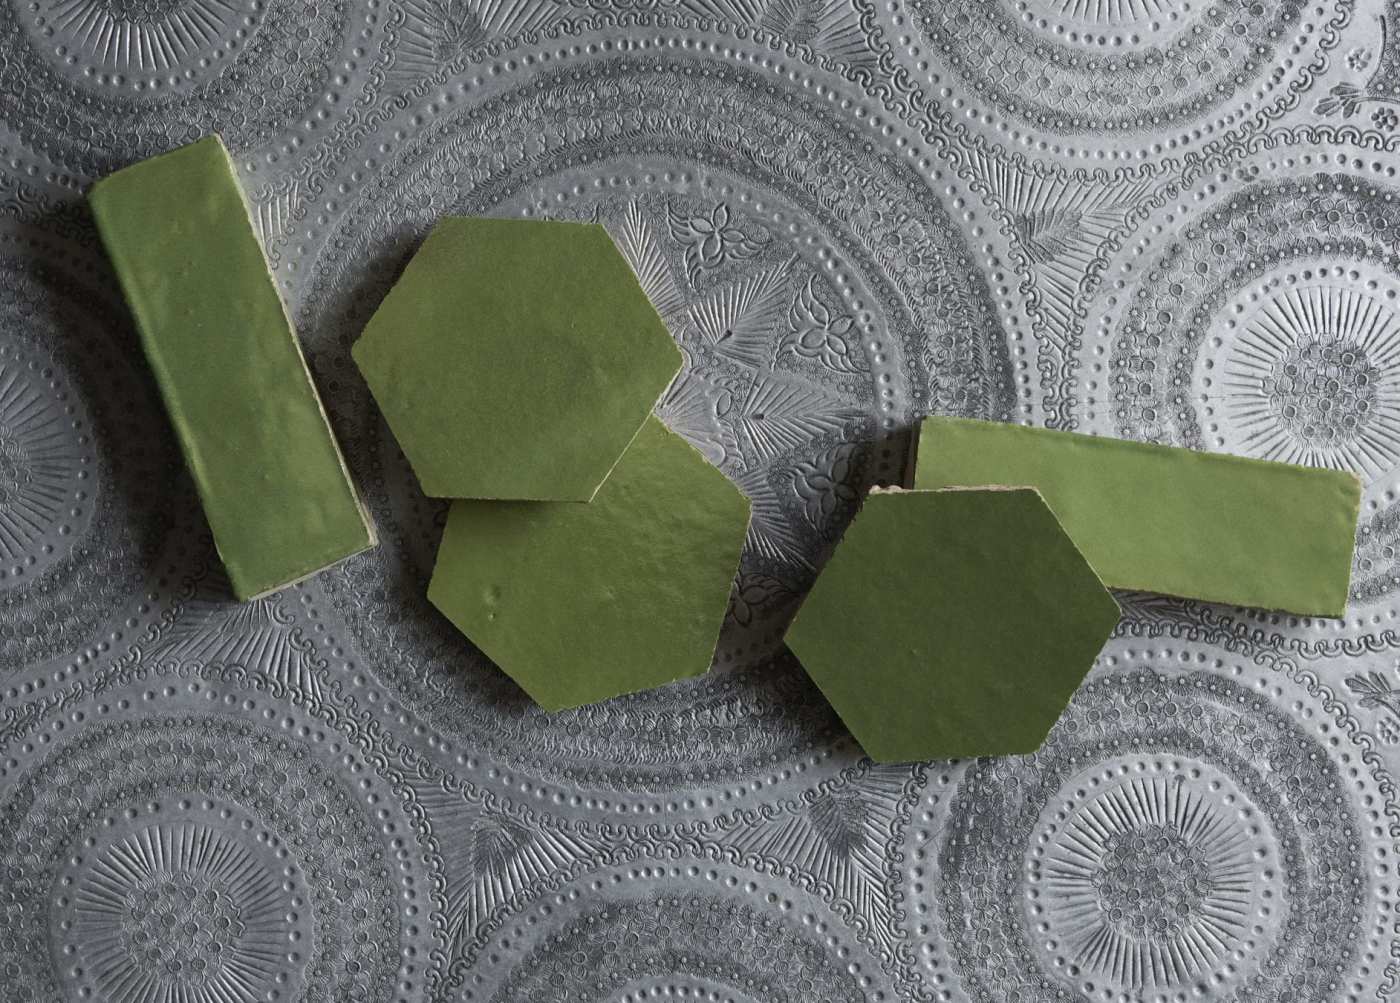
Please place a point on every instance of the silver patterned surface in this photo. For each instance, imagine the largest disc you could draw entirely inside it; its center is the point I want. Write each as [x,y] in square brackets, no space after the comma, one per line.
[1173,220]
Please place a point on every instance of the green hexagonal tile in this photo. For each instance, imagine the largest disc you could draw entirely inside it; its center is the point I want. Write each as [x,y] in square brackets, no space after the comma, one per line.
[952,623]
[516,359]
[578,603]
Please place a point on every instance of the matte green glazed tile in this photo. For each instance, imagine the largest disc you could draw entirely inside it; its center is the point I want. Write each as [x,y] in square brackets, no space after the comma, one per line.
[515,359]
[952,623]
[274,485]
[1161,519]
[578,603]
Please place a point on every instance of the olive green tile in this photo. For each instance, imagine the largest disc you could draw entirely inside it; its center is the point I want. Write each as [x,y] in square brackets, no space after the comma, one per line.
[515,359]
[1160,519]
[952,623]
[581,602]
[272,480]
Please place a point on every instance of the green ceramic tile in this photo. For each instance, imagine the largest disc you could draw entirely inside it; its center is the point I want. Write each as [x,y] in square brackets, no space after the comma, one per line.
[515,359]
[578,603]
[952,623]
[274,485]
[1160,519]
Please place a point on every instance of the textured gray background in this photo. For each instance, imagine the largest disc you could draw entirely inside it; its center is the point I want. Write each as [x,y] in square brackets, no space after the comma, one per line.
[1165,219]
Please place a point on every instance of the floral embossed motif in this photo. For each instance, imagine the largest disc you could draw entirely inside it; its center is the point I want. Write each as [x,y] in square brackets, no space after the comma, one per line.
[1381,696]
[818,332]
[1381,88]
[711,240]
[827,485]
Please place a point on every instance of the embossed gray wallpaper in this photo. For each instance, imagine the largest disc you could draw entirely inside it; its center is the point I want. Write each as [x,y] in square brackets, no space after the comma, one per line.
[1175,220]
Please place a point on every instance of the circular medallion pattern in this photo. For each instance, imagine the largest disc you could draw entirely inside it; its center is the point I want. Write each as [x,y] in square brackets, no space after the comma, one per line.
[96,84]
[1274,262]
[1149,872]
[701,931]
[143,42]
[1263,319]
[201,858]
[691,946]
[1311,375]
[91,503]
[1177,834]
[194,910]
[813,313]
[46,463]
[1118,75]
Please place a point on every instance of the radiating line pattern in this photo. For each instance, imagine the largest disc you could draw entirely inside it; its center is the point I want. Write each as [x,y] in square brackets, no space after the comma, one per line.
[145,35]
[261,637]
[829,27]
[1113,11]
[838,837]
[40,459]
[492,859]
[1314,378]
[91,489]
[739,320]
[1149,883]
[1059,225]
[637,240]
[437,32]
[93,85]
[777,416]
[274,210]
[181,913]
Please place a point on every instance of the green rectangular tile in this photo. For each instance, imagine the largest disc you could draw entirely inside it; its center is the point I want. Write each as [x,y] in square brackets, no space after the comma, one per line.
[1160,519]
[274,485]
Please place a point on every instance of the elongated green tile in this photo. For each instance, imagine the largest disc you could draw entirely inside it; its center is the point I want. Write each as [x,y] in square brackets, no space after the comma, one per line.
[270,475]
[952,623]
[581,602]
[515,359]
[1160,519]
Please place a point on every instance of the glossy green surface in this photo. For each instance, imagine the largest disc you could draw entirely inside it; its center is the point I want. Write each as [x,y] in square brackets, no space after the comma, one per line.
[952,623]
[515,359]
[270,475]
[1160,519]
[581,602]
